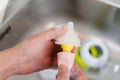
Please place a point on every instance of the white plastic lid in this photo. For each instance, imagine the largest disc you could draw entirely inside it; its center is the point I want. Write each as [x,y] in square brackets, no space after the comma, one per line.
[90,60]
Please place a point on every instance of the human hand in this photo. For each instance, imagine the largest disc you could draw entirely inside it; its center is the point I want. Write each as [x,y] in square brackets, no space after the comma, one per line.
[77,73]
[65,69]
[33,54]
[74,74]
[36,52]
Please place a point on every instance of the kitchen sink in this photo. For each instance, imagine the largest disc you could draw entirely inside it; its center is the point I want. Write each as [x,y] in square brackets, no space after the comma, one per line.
[32,17]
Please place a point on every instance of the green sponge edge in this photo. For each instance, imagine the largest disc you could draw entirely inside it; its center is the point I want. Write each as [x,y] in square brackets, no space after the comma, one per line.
[79,60]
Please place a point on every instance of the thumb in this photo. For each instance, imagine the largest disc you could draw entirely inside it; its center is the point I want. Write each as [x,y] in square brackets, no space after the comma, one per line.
[63,73]
[54,33]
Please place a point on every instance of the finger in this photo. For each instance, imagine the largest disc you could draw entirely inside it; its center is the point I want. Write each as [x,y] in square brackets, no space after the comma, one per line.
[50,25]
[66,58]
[74,50]
[53,33]
[77,73]
[63,73]
[80,36]
[57,48]
[55,63]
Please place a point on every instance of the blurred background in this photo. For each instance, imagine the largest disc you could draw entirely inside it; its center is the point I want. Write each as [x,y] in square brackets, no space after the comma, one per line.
[96,20]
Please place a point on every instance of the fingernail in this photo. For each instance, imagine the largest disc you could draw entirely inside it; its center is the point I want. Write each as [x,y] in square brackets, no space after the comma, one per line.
[50,26]
[61,28]
[58,27]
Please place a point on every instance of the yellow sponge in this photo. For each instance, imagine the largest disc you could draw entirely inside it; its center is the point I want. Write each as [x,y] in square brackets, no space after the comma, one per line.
[67,47]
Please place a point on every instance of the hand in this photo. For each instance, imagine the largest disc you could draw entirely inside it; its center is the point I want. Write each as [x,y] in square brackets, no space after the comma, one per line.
[77,73]
[36,53]
[64,71]
[74,74]
[33,54]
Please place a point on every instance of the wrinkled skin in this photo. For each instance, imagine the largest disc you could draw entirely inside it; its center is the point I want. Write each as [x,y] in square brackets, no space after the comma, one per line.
[36,53]
[74,74]
[77,73]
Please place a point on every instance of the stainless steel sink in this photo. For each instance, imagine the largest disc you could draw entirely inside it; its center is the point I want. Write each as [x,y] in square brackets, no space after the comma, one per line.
[32,17]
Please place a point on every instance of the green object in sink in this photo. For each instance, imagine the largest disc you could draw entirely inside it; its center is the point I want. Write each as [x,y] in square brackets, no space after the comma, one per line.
[79,60]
